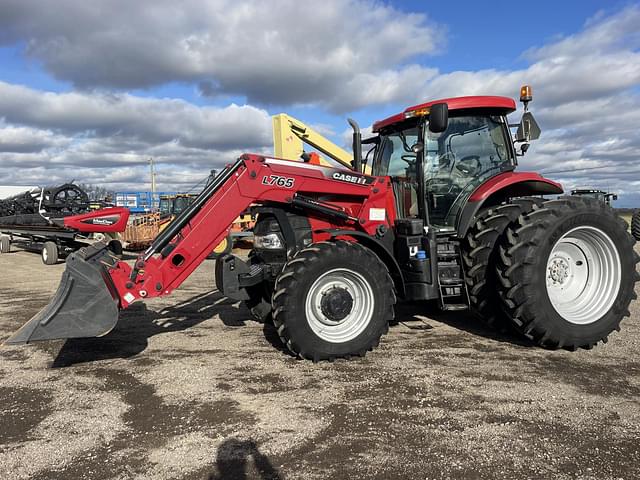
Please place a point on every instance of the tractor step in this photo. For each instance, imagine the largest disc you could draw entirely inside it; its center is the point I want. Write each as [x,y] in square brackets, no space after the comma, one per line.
[453,289]
[455,307]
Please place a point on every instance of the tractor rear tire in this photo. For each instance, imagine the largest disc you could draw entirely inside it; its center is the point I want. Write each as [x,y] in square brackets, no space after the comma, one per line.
[635,225]
[333,300]
[5,244]
[567,273]
[480,255]
[49,253]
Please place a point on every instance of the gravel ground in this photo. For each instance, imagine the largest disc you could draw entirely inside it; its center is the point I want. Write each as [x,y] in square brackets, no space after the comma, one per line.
[188,387]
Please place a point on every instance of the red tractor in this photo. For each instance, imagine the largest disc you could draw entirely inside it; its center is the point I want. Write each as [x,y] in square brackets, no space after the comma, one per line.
[443,215]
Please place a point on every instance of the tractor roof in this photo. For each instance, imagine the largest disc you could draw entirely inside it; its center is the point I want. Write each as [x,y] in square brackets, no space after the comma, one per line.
[586,190]
[503,105]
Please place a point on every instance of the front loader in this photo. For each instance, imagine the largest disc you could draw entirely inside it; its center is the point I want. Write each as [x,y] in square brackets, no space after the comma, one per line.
[443,216]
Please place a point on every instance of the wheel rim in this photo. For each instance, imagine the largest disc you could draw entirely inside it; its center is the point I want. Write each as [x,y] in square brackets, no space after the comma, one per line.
[583,275]
[339,325]
[45,255]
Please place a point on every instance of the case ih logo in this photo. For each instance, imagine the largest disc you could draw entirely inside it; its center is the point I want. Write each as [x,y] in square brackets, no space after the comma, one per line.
[101,221]
[357,179]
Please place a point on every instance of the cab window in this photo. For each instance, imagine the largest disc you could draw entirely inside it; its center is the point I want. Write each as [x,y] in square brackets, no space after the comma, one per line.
[471,150]
[396,158]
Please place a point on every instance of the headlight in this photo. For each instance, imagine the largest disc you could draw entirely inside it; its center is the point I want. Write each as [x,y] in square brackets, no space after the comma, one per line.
[271,241]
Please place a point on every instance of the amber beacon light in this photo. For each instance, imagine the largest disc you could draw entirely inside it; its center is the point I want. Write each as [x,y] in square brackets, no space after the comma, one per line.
[526,93]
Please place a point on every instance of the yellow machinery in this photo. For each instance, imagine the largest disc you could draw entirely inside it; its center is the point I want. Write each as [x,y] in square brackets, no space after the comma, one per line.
[290,135]
[172,205]
[142,229]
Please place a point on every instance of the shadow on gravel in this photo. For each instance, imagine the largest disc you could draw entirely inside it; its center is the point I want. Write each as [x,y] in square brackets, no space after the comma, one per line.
[138,323]
[465,321]
[232,462]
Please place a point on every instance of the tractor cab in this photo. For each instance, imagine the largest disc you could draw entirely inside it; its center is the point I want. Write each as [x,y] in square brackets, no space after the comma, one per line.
[600,195]
[173,205]
[434,171]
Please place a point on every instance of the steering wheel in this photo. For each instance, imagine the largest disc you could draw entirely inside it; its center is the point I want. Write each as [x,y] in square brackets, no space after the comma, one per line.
[446,161]
[469,165]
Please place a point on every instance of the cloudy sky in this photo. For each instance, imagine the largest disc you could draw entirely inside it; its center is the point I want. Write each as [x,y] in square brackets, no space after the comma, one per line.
[90,90]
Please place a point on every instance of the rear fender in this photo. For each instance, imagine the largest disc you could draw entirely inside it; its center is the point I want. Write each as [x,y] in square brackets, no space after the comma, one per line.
[502,187]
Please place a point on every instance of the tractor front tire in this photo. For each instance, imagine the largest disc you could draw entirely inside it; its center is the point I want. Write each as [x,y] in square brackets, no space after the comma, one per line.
[567,273]
[333,300]
[480,255]
[635,225]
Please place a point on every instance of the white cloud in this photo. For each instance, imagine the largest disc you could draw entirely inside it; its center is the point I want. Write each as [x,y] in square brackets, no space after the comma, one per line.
[128,116]
[347,55]
[54,137]
[29,140]
[276,52]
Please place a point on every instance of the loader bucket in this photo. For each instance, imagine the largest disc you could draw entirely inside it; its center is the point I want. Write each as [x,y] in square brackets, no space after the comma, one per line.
[83,305]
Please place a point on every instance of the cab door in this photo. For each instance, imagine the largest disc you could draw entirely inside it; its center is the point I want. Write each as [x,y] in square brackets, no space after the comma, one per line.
[397,157]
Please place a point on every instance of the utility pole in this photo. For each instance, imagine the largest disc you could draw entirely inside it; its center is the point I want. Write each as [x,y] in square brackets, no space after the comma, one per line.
[153,182]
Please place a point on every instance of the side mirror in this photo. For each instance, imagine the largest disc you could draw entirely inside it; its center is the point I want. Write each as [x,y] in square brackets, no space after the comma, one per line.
[528,128]
[438,117]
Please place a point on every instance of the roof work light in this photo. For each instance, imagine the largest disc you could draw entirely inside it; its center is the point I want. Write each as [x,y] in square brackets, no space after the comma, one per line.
[526,95]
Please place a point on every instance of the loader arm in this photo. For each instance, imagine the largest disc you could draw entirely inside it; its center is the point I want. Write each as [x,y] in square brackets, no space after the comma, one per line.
[95,286]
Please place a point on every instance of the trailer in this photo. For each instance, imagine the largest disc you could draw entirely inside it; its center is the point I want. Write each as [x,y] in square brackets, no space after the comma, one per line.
[56,238]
